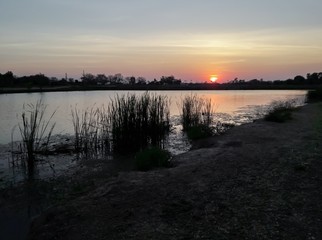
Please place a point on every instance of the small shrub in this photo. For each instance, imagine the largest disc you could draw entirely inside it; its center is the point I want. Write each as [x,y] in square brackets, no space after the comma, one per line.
[280,111]
[153,157]
[199,132]
[314,95]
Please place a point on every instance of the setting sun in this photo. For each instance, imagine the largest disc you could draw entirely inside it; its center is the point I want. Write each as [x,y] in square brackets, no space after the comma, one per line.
[213,78]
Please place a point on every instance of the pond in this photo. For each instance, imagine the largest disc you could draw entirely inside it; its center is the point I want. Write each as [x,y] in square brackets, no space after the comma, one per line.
[234,107]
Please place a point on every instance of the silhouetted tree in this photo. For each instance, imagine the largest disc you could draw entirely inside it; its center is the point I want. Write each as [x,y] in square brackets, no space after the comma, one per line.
[101,79]
[7,79]
[314,78]
[130,80]
[41,80]
[169,80]
[89,78]
[299,79]
[116,79]
[141,81]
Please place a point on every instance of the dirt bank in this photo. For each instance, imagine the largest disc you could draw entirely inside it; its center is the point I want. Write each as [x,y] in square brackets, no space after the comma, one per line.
[258,181]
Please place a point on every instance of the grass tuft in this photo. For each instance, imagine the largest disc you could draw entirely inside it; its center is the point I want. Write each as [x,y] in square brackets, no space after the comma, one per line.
[197,117]
[280,111]
[153,157]
[91,130]
[35,132]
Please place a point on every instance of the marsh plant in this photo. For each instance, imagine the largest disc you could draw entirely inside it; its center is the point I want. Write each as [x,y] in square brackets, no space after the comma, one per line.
[281,111]
[91,130]
[35,132]
[137,122]
[197,116]
[129,124]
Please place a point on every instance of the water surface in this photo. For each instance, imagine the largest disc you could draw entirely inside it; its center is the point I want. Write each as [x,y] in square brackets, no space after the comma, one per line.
[226,102]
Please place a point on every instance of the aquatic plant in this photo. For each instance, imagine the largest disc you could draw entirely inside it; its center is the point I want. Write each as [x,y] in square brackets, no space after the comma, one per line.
[197,117]
[129,124]
[91,130]
[138,121]
[196,111]
[280,111]
[35,131]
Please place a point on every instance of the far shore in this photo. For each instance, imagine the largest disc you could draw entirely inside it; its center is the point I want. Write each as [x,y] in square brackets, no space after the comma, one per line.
[148,87]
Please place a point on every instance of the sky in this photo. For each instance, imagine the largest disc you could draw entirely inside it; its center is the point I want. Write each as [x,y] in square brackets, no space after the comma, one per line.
[190,39]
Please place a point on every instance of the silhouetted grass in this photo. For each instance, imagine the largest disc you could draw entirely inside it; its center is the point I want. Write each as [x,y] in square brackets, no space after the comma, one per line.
[280,111]
[129,124]
[153,157]
[91,130]
[197,116]
[196,111]
[35,132]
[138,122]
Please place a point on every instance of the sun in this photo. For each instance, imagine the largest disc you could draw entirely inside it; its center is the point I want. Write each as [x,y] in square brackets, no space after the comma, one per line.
[213,78]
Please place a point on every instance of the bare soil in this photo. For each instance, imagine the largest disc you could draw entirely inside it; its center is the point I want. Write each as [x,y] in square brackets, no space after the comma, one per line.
[261,180]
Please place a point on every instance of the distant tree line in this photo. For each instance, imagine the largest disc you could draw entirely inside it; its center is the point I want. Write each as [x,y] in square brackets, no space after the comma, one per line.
[311,78]
[8,79]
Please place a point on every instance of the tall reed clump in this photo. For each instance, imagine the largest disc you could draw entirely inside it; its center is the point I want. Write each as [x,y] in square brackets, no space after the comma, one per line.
[138,121]
[35,131]
[91,130]
[197,116]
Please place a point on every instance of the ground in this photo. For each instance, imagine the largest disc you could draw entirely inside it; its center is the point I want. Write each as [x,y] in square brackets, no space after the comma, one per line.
[261,180]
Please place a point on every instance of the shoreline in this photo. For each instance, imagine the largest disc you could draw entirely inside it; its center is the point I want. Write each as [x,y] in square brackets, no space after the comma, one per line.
[260,180]
[183,87]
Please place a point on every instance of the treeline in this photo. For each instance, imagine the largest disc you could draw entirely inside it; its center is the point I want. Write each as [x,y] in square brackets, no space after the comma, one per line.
[91,81]
[311,79]
[8,79]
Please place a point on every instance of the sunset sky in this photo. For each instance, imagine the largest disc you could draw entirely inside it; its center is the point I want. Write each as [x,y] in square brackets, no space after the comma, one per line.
[189,39]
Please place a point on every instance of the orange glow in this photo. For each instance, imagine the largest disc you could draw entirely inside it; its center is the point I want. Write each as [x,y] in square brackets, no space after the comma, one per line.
[213,78]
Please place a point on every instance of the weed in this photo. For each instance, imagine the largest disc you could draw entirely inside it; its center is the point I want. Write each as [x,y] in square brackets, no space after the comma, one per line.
[153,157]
[35,132]
[280,111]
[199,132]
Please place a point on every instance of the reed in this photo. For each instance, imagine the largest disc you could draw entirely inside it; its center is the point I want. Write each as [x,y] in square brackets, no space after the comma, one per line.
[196,111]
[91,130]
[35,131]
[138,121]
